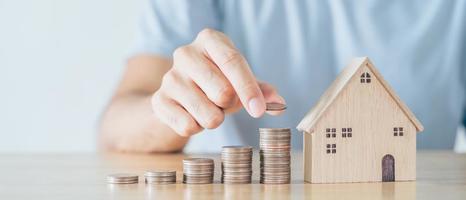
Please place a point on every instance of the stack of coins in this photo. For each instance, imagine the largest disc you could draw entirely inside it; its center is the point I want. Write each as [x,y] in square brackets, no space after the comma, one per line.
[160,177]
[198,171]
[275,157]
[122,178]
[236,164]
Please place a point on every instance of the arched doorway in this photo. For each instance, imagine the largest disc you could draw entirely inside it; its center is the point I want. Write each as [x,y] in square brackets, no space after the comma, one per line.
[388,168]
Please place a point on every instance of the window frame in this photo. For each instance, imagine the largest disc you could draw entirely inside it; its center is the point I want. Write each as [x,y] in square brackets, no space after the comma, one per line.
[330,132]
[398,131]
[331,148]
[347,132]
[365,77]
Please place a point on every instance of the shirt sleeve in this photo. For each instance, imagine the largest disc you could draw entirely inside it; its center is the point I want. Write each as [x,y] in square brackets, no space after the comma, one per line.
[168,24]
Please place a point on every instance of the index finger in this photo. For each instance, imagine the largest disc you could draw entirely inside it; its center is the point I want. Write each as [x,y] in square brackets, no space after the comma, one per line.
[234,66]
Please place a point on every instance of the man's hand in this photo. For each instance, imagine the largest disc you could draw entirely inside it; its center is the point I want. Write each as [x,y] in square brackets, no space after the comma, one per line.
[209,78]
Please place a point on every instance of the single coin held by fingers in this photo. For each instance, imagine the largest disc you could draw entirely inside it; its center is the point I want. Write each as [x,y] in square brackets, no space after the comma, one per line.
[275,107]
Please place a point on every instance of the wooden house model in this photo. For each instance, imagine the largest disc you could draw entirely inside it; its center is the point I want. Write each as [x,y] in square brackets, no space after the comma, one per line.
[359,131]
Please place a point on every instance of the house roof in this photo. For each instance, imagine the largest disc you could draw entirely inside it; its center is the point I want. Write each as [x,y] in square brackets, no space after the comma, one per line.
[311,118]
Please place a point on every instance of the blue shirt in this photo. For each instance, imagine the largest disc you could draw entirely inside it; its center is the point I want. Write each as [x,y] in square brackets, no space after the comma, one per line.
[301,46]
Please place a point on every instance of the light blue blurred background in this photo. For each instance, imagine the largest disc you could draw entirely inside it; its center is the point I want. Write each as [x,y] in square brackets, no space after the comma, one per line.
[59,64]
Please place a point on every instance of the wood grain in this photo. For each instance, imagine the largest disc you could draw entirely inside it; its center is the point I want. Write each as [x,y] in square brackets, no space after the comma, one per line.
[350,73]
[372,110]
[441,175]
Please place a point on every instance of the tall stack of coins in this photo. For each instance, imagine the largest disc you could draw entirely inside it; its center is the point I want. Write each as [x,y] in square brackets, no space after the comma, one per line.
[236,164]
[275,157]
[160,177]
[198,170]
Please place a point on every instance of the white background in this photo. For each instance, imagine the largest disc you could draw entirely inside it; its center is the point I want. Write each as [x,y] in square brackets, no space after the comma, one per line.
[59,63]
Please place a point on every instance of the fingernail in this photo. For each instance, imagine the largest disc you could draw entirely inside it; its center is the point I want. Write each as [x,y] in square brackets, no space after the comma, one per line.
[256,107]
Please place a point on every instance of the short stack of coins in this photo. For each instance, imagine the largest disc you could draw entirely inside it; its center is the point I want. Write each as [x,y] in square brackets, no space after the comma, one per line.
[198,171]
[160,177]
[122,178]
[236,164]
[275,157]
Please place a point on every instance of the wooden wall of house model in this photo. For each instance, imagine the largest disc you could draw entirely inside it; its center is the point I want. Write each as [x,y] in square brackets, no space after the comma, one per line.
[359,131]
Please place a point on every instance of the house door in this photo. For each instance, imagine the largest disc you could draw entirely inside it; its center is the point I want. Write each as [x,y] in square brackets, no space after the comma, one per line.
[388,168]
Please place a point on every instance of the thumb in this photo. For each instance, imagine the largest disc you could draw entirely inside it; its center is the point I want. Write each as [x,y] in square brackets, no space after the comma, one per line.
[271,96]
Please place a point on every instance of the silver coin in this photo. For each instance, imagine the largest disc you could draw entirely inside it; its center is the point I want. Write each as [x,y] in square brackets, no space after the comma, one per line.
[266,145]
[198,181]
[274,167]
[273,174]
[236,182]
[199,174]
[161,183]
[275,135]
[238,178]
[228,154]
[275,146]
[189,166]
[274,130]
[232,157]
[240,165]
[274,158]
[249,173]
[151,180]
[276,154]
[275,107]
[160,173]
[201,169]
[237,170]
[197,178]
[276,163]
[267,177]
[268,141]
[230,163]
[161,178]
[197,170]
[275,149]
[275,182]
[235,156]
[244,178]
[237,149]
[273,140]
[198,161]
[122,178]
[239,158]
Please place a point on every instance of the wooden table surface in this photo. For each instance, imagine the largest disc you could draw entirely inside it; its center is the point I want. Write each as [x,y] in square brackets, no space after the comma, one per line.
[441,175]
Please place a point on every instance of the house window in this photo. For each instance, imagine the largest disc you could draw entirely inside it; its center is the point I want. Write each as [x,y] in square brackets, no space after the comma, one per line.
[330,132]
[331,148]
[365,77]
[346,132]
[398,131]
